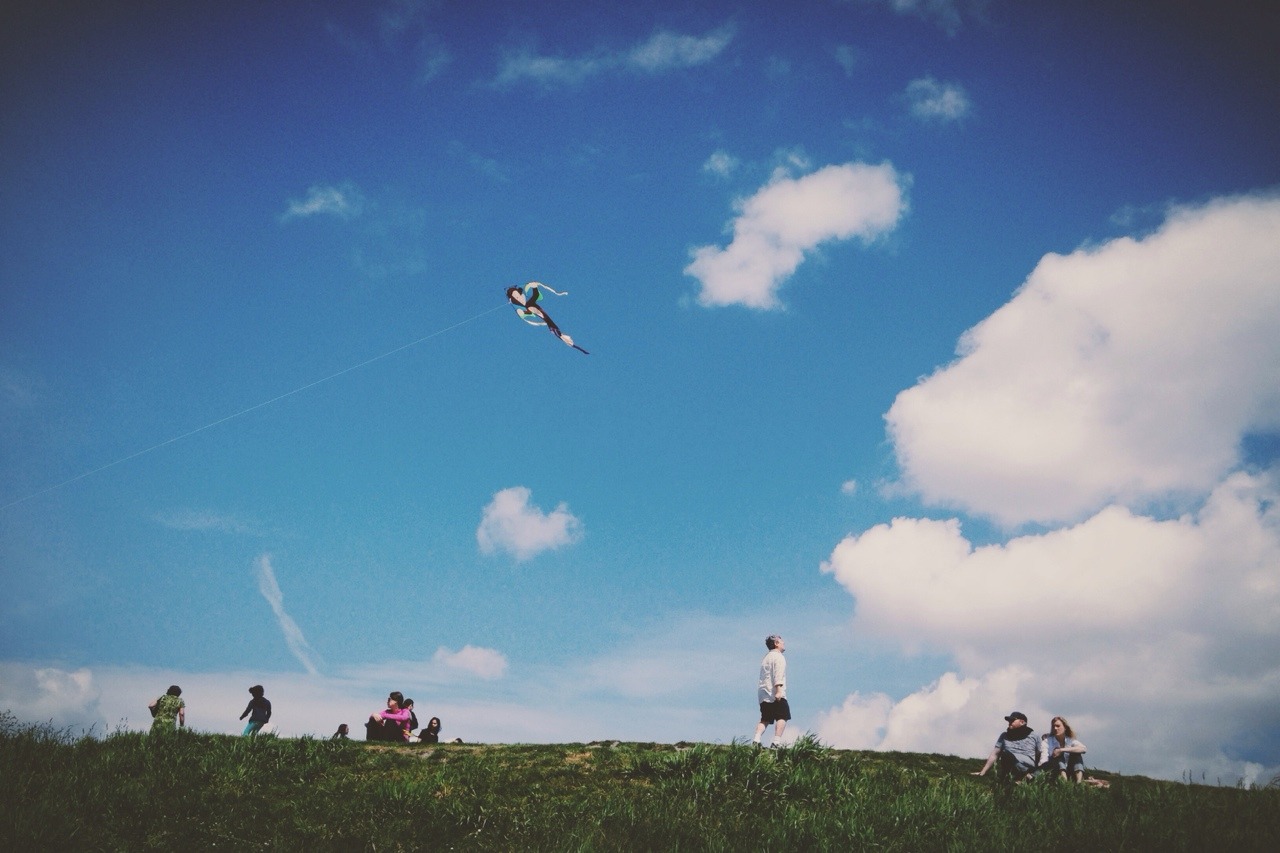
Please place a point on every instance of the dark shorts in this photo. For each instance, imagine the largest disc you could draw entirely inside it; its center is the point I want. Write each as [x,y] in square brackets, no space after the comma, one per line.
[771,712]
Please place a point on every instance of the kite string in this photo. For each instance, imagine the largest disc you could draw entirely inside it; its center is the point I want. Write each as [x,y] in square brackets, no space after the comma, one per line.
[252,408]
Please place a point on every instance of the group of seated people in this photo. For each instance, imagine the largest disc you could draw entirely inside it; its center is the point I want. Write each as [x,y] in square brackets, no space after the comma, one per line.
[397,723]
[1020,756]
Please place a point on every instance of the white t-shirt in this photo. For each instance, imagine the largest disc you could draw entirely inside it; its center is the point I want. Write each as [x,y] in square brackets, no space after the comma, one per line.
[773,672]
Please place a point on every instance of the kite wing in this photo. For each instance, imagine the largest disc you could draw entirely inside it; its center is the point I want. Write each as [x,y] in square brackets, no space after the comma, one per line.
[533,318]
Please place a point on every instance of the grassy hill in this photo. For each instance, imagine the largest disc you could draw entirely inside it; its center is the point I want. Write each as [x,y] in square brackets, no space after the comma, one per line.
[199,792]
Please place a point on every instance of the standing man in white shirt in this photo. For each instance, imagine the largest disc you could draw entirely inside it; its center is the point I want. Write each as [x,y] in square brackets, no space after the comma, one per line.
[772,691]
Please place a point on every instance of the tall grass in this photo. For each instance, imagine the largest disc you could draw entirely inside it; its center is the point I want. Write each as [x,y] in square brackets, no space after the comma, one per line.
[189,791]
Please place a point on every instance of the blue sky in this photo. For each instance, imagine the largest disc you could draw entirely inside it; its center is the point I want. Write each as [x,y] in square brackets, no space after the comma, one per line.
[936,336]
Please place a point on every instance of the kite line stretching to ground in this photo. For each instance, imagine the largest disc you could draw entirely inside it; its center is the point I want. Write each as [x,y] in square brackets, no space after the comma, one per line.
[526,300]
[243,412]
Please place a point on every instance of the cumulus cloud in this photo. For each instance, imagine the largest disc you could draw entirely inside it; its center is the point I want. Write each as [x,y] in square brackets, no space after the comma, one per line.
[1128,372]
[344,202]
[50,695]
[1117,619]
[934,101]
[1119,382]
[484,663]
[293,636]
[662,52]
[790,217]
[511,525]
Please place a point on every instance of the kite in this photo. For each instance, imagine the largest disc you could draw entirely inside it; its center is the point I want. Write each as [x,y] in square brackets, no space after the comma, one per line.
[526,300]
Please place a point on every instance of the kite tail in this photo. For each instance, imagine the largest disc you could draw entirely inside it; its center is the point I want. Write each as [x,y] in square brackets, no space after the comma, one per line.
[542,286]
[568,340]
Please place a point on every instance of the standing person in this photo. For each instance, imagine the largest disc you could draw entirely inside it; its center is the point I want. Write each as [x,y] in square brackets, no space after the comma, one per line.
[167,710]
[1016,752]
[258,710]
[772,691]
[389,724]
[1061,753]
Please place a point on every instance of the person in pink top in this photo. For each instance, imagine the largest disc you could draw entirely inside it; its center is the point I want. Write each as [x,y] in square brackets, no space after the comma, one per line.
[391,724]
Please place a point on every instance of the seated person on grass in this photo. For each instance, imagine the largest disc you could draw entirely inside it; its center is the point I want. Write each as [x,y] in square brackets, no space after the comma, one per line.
[1061,753]
[391,724]
[1016,753]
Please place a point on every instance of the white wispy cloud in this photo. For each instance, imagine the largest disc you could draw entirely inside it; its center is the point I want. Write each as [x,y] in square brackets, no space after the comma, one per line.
[721,164]
[202,520]
[18,390]
[1129,372]
[293,636]
[484,663]
[947,14]
[666,51]
[934,101]
[788,218]
[512,525]
[344,202]
[663,52]
[847,57]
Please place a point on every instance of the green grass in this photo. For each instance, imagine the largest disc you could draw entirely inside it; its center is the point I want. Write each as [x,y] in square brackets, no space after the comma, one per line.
[188,791]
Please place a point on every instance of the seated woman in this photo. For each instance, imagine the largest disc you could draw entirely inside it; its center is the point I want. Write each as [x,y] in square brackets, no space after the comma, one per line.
[1063,755]
[391,724]
[431,734]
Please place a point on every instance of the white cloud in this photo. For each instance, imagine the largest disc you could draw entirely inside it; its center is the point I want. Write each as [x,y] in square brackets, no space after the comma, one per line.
[665,50]
[202,520]
[934,101]
[849,487]
[17,389]
[293,636]
[1126,372]
[847,57]
[510,524]
[1121,620]
[52,696]
[721,164]
[344,202]
[789,217]
[662,52]
[947,14]
[484,663]
[953,716]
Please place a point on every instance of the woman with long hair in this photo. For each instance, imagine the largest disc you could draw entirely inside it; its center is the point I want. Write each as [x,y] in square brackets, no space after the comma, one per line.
[1063,754]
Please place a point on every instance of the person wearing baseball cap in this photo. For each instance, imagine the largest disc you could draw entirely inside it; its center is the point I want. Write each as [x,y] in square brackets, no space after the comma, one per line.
[1016,753]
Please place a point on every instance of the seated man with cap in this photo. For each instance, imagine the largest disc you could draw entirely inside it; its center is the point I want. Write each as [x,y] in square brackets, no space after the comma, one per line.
[1016,752]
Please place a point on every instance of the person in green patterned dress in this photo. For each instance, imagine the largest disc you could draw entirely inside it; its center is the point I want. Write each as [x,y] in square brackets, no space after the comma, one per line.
[167,710]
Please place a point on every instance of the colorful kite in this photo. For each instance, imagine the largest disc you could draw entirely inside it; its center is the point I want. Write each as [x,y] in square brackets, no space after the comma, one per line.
[526,300]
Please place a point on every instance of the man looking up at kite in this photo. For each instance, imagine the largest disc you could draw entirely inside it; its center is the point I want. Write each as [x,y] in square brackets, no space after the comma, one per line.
[526,300]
